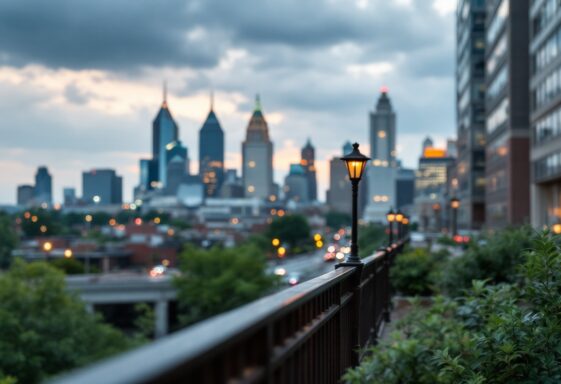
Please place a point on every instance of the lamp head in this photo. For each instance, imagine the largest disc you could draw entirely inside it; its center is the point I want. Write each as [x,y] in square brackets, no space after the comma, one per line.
[355,162]
[390,216]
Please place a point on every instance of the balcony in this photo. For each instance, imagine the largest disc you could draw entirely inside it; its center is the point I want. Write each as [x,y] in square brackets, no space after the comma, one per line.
[310,333]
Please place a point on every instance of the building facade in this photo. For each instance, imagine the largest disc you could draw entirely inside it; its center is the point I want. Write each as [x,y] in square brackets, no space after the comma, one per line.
[308,162]
[211,154]
[545,101]
[296,184]
[507,167]
[257,157]
[25,195]
[102,187]
[470,112]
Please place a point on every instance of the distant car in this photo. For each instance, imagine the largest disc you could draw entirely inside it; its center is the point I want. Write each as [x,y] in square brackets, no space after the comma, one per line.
[329,256]
[158,270]
[293,278]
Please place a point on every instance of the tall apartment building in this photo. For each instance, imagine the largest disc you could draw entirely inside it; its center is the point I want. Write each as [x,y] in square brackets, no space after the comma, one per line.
[545,94]
[470,110]
[102,186]
[507,113]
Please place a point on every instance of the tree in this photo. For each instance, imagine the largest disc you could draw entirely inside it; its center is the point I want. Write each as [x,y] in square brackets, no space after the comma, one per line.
[40,222]
[8,240]
[336,220]
[45,330]
[217,280]
[370,238]
[292,229]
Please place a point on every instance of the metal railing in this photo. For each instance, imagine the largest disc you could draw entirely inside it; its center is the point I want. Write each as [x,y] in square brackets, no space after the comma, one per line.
[310,333]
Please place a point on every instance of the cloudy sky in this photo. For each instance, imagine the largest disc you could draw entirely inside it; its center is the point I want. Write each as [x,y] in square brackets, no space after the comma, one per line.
[81,81]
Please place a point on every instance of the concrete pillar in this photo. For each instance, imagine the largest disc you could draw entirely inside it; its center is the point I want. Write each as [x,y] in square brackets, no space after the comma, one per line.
[161,314]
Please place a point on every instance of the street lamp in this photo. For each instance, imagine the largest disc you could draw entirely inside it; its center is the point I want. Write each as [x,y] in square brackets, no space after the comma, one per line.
[355,162]
[391,218]
[455,205]
[47,248]
[399,218]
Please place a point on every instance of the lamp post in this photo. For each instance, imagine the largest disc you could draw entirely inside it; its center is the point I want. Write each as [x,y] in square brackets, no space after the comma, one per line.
[355,162]
[454,204]
[399,219]
[391,218]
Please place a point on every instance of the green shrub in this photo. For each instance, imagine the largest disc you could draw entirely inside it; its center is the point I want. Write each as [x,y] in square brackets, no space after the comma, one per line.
[416,271]
[504,333]
[496,260]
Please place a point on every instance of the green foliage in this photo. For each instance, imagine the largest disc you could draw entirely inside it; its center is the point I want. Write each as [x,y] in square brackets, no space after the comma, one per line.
[217,280]
[8,240]
[145,320]
[370,238]
[505,333]
[44,329]
[291,229]
[49,219]
[337,220]
[446,240]
[496,260]
[414,271]
[69,266]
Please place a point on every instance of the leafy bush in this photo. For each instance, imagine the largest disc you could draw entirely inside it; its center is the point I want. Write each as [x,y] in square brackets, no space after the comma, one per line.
[292,229]
[505,333]
[414,271]
[496,260]
[45,330]
[218,280]
[370,238]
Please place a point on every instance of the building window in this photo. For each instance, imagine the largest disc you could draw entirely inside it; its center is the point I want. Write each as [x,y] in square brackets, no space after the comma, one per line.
[251,189]
[498,117]
[381,134]
[251,164]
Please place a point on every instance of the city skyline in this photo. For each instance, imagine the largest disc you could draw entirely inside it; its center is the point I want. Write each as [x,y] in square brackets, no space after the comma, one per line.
[72,106]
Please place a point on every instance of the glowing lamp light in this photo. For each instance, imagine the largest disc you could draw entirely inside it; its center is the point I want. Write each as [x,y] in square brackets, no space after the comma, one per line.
[399,217]
[96,199]
[281,251]
[319,244]
[405,221]
[68,253]
[138,221]
[355,162]
[112,222]
[88,218]
[157,220]
[47,246]
[317,237]
[556,228]
[280,213]
[34,219]
[454,203]
[384,89]
[390,216]
[275,242]
[43,228]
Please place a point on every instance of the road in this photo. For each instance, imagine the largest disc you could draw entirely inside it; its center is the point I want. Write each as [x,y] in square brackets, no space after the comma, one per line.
[306,266]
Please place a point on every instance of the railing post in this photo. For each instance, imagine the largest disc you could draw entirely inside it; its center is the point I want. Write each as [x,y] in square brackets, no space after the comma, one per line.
[387,284]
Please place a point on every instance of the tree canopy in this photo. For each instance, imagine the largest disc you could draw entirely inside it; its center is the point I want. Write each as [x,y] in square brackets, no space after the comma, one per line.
[292,229]
[8,240]
[217,280]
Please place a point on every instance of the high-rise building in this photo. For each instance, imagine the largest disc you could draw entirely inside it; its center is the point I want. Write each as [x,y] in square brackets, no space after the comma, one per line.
[43,192]
[381,174]
[148,174]
[25,194]
[545,91]
[232,187]
[69,196]
[296,184]
[507,166]
[431,186]
[211,153]
[102,186]
[164,132]
[339,192]
[257,157]
[470,112]
[308,162]
[404,189]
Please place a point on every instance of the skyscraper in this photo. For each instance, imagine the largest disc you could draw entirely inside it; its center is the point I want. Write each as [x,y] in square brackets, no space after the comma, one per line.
[43,193]
[257,155]
[381,175]
[102,186]
[507,113]
[470,112]
[308,157]
[211,153]
[164,131]
[69,196]
[545,89]
[382,131]
[339,192]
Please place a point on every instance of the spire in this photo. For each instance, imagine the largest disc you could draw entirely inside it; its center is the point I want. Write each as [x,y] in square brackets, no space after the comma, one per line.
[212,100]
[165,95]
[257,103]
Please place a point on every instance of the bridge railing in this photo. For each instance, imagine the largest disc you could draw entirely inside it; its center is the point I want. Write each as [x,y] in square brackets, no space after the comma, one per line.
[310,333]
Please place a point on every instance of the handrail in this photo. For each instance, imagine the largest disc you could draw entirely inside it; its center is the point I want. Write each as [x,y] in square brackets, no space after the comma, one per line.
[259,342]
